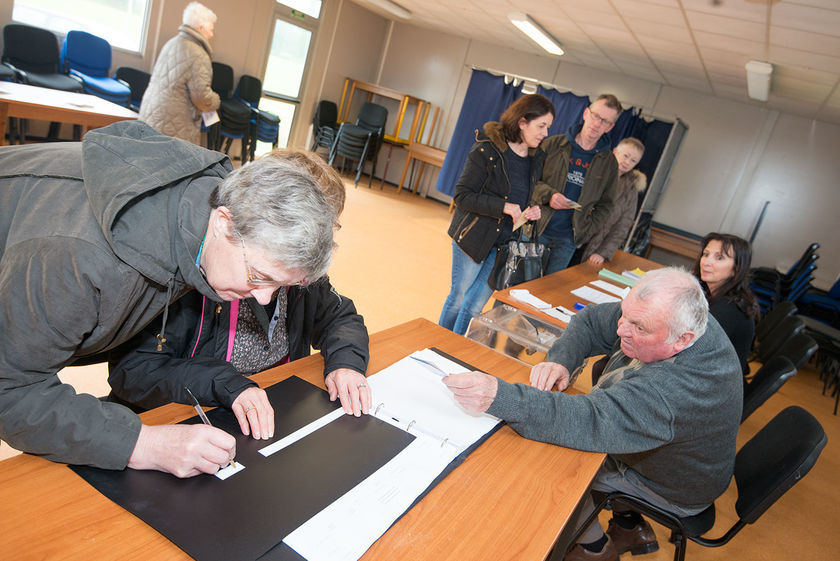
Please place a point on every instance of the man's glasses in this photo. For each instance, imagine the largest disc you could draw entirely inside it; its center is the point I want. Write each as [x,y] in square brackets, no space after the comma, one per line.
[600,120]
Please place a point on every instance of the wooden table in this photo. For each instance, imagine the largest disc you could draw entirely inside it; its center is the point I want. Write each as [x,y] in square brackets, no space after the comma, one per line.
[674,242]
[425,154]
[32,102]
[556,288]
[510,499]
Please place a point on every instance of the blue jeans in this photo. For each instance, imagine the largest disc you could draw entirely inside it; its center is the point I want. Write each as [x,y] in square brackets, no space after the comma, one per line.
[469,291]
[560,253]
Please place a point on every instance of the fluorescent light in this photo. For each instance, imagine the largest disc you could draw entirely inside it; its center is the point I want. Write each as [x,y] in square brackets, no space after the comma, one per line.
[392,8]
[537,34]
[758,79]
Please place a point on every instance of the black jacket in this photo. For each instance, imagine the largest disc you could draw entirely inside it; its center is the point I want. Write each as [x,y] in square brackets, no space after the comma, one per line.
[194,354]
[482,191]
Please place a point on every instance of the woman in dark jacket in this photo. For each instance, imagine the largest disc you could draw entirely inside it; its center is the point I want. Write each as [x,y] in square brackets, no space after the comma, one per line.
[199,352]
[492,192]
[723,269]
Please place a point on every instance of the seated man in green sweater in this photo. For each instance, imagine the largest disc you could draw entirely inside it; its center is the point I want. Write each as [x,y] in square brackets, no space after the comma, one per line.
[666,409]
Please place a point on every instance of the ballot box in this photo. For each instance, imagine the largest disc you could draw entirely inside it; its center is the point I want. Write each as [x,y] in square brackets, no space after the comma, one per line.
[514,333]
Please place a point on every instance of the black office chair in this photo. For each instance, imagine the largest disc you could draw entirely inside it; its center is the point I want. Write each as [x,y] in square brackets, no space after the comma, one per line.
[324,124]
[767,381]
[265,126]
[32,53]
[361,142]
[766,467]
[234,114]
[137,81]
[772,318]
[781,334]
[798,349]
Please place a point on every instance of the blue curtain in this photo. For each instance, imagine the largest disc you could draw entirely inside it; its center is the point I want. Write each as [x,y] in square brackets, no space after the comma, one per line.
[487,98]
[569,109]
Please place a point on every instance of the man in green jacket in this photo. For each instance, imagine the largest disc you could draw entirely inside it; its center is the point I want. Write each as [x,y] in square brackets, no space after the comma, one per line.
[666,410]
[578,182]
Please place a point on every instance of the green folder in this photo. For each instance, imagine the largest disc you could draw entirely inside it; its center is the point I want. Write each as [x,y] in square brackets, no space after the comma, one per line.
[615,277]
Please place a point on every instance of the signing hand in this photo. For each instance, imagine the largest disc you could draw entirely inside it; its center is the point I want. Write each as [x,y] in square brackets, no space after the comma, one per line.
[559,202]
[474,391]
[546,375]
[254,413]
[351,388]
[182,450]
[595,259]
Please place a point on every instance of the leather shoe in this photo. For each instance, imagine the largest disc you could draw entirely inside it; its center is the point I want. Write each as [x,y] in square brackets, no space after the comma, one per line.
[637,540]
[578,553]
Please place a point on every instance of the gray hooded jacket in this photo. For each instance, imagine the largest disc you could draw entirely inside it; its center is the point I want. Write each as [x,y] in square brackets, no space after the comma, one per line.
[96,239]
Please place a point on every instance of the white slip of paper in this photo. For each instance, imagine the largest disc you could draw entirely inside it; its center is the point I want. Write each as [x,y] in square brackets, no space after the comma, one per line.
[555,313]
[609,287]
[232,468]
[595,296]
[348,527]
[523,295]
[301,433]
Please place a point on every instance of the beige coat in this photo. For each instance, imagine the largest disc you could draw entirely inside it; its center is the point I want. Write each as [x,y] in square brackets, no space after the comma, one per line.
[179,90]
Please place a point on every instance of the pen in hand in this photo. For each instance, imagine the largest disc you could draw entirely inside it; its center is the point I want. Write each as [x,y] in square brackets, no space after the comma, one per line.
[203,417]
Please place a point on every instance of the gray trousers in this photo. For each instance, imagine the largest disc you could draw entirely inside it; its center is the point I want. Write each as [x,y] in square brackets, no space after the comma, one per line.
[615,476]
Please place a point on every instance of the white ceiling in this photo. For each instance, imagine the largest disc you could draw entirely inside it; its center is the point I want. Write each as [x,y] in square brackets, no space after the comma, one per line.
[699,45]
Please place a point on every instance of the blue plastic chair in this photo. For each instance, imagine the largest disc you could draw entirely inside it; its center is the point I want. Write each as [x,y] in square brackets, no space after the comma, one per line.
[89,58]
[265,126]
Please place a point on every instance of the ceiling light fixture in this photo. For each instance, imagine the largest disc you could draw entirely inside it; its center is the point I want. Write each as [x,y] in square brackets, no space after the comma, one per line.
[758,79]
[536,33]
[392,8]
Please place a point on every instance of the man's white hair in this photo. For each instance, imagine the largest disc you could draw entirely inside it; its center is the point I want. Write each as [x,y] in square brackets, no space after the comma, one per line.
[681,296]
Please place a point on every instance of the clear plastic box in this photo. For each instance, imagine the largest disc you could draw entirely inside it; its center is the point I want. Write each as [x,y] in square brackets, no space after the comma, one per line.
[514,333]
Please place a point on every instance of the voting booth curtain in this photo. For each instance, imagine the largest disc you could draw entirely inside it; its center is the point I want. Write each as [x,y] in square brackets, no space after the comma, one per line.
[488,96]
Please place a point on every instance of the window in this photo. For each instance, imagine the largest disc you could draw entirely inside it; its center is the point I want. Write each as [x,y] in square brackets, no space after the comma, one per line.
[120,22]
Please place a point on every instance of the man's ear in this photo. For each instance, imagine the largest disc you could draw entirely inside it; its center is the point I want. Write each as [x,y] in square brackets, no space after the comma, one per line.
[683,341]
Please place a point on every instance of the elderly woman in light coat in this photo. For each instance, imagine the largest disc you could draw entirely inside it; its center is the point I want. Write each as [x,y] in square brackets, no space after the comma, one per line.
[179,89]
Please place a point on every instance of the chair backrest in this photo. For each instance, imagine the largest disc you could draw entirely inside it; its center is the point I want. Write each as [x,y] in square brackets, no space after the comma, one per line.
[799,349]
[787,328]
[30,48]
[137,81]
[249,90]
[778,456]
[222,82]
[86,53]
[767,381]
[326,115]
[772,318]
[809,253]
[372,117]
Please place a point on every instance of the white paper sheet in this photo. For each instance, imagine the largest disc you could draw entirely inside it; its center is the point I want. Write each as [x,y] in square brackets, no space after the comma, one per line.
[523,295]
[609,287]
[348,527]
[301,432]
[555,313]
[595,296]
[411,395]
[233,467]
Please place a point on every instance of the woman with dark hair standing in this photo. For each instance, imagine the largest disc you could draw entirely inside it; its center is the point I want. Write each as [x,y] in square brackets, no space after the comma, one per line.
[723,269]
[492,192]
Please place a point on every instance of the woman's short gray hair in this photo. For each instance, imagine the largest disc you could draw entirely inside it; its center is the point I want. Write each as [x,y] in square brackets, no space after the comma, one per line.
[681,296]
[286,203]
[198,15]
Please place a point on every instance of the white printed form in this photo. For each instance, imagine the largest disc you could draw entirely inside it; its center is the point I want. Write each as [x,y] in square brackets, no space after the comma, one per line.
[610,287]
[595,296]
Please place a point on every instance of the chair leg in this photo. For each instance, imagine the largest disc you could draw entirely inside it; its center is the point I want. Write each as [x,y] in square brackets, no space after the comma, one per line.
[227,144]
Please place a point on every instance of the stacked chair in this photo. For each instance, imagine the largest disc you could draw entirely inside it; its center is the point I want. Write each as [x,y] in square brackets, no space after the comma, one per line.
[265,126]
[766,467]
[32,54]
[361,142]
[88,57]
[324,123]
[137,81]
[822,305]
[770,286]
[234,114]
